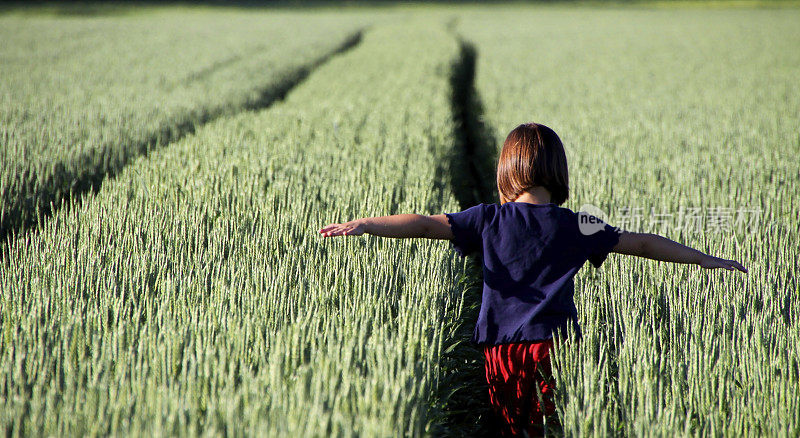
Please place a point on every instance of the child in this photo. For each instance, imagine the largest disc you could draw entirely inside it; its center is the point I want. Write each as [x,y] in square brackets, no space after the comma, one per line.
[531,249]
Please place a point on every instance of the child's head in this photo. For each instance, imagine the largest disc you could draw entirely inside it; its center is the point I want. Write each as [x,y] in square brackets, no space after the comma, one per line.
[532,156]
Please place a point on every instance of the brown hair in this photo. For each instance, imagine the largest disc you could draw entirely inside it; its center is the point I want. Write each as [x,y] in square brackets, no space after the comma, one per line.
[532,156]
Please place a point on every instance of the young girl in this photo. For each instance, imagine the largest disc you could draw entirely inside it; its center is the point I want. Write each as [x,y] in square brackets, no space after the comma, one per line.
[531,249]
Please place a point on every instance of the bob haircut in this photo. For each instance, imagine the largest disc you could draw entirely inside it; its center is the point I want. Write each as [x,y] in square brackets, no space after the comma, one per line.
[532,156]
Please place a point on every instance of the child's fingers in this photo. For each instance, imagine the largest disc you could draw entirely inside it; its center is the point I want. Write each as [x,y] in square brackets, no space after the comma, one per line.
[328,228]
[733,265]
[334,231]
[328,231]
[739,266]
[730,265]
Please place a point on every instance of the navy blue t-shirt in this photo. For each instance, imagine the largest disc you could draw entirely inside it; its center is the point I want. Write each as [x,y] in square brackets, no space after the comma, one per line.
[530,252]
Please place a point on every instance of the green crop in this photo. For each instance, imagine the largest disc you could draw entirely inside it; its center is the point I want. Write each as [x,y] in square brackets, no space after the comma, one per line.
[192,293]
[80,97]
[681,112]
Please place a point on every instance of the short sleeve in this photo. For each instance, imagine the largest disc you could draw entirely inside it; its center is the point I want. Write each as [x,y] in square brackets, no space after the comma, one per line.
[467,227]
[599,240]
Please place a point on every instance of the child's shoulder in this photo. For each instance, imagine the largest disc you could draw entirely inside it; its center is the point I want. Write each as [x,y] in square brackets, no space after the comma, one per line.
[482,208]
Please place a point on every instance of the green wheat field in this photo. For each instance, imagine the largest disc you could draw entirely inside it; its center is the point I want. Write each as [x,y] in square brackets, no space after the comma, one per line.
[164,170]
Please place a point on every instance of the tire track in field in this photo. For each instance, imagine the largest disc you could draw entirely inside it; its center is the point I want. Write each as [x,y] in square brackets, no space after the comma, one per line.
[475,154]
[462,389]
[91,179]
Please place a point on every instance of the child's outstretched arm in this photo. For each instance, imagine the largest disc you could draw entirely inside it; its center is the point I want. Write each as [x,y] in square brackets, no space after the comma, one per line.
[653,246]
[399,226]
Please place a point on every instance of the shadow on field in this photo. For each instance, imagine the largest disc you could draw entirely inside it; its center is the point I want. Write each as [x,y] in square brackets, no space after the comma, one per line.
[463,393]
[30,214]
[97,8]
[474,160]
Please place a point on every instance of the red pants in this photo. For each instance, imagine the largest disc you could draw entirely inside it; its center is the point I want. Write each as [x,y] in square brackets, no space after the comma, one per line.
[513,372]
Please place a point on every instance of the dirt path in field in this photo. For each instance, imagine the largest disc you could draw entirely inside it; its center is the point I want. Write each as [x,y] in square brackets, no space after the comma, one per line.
[476,150]
[92,181]
[466,409]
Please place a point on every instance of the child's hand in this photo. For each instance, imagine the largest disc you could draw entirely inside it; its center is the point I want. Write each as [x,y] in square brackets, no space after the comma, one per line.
[711,262]
[352,228]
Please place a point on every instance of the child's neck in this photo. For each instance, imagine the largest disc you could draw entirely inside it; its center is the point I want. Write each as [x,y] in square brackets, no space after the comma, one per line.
[535,195]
